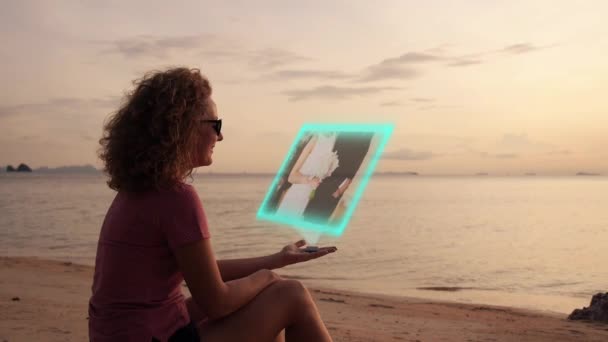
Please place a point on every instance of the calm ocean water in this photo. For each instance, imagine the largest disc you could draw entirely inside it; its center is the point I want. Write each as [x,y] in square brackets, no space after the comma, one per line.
[529,242]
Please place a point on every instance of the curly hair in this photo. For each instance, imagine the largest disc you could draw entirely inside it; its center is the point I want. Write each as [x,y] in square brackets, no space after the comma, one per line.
[147,143]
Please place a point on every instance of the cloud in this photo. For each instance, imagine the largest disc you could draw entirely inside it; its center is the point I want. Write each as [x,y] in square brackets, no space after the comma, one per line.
[422,99]
[388,69]
[333,93]
[411,58]
[464,62]
[385,70]
[158,47]
[393,68]
[307,74]
[273,57]
[400,68]
[407,154]
[60,105]
[381,72]
[57,124]
[517,49]
[208,46]
[390,104]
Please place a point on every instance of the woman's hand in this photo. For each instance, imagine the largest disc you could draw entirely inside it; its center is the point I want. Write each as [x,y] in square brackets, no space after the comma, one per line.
[342,188]
[314,182]
[293,253]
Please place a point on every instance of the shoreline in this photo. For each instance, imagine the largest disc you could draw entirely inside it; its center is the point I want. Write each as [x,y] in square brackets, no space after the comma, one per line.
[542,303]
[53,298]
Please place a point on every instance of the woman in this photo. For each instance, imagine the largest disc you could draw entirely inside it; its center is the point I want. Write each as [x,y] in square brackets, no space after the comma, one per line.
[155,234]
[304,174]
[283,185]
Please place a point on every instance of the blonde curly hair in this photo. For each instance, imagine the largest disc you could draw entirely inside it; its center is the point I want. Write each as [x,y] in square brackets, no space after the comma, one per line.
[147,143]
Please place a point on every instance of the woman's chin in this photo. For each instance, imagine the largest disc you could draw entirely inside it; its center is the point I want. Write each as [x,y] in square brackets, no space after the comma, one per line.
[204,162]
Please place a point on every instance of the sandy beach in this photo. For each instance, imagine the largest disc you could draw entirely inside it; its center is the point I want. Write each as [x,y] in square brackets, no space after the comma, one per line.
[43,300]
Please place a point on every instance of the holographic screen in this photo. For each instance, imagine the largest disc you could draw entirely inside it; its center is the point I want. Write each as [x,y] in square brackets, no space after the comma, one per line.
[323,176]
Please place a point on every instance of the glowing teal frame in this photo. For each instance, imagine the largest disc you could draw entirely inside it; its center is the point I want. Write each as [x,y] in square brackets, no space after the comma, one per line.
[383,130]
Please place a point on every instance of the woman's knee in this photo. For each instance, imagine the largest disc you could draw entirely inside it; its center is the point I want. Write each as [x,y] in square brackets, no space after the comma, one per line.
[293,291]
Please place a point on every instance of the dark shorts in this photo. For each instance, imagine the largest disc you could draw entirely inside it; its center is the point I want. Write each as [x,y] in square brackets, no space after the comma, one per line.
[185,334]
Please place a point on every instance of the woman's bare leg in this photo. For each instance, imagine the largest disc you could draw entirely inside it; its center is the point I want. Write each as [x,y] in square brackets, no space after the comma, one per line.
[280,337]
[197,316]
[286,304]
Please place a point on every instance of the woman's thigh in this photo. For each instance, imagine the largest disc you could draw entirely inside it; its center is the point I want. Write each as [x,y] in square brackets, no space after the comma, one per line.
[262,319]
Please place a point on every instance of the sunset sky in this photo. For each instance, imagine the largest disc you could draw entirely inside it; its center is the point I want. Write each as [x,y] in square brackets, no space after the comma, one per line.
[503,87]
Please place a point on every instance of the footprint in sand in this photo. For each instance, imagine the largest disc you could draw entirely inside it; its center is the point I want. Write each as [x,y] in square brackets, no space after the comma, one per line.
[333,300]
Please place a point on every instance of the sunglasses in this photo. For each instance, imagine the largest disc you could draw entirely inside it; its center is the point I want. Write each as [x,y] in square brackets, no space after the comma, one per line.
[216,124]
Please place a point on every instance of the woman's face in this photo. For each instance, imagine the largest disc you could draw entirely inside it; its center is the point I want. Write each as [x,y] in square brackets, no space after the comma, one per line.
[207,138]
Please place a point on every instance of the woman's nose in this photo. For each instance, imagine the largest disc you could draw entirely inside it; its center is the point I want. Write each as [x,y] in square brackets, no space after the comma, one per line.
[220,137]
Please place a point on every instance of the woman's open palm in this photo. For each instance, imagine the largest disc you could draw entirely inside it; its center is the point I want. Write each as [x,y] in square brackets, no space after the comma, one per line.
[294,253]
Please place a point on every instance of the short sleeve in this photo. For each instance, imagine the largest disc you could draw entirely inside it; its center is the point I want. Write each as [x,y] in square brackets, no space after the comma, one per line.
[182,217]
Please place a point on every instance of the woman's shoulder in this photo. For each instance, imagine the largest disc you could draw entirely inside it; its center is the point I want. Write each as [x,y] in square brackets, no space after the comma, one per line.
[180,194]
[180,190]
[181,199]
[177,193]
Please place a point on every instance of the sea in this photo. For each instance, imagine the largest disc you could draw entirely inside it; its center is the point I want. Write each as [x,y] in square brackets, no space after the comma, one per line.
[530,242]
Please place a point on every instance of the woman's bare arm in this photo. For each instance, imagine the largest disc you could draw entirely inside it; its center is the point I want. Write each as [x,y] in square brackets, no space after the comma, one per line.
[215,297]
[238,268]
[342,188]
[295,177]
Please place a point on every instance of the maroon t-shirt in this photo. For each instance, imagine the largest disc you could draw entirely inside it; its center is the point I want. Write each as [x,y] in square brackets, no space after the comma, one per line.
[136,288]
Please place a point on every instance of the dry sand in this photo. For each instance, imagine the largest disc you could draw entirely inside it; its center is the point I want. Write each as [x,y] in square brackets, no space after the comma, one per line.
[42,300]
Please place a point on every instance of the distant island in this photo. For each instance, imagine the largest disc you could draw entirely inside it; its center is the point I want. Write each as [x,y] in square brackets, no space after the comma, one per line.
[21,168]
[61,169]
[587,174]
